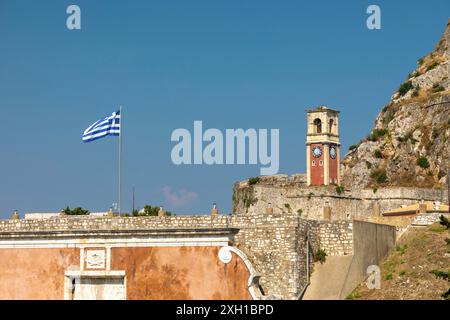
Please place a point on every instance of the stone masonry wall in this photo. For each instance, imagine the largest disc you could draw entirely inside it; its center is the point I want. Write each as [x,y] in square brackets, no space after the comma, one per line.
[292,197]
[335,238]
[274,243]
[426,219]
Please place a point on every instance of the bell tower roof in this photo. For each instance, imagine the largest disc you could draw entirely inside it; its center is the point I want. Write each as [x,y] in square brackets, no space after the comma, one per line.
[322,109]
[322,125]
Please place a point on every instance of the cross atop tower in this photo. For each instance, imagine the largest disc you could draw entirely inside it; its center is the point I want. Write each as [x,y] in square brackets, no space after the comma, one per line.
[322,146]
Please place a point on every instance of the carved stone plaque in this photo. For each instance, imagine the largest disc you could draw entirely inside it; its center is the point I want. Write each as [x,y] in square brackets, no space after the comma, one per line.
[95,259]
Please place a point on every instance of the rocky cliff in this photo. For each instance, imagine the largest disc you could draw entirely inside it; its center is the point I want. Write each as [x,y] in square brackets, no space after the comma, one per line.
[410,143]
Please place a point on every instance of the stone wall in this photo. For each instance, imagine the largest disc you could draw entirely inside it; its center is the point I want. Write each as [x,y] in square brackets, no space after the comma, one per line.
[275,243]
[335,238]
[285,196]
[426,219]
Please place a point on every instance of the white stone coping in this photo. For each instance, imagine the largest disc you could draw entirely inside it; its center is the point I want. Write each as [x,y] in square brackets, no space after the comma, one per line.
[225,256]
[49,215]
[95,274]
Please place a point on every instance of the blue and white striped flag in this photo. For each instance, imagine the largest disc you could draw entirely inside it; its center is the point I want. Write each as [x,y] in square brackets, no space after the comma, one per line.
[108,126]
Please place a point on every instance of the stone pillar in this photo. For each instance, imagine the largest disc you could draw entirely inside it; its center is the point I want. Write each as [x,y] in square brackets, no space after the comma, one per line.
[161,212]
[214,211]
[326,164]
[308,165]
[338,163]
[327,211]
[269,209]
[376,209]
[110,213]
[62,212]
[15,215]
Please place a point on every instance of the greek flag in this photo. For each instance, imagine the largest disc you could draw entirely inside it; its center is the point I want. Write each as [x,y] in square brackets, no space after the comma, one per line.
[108,126]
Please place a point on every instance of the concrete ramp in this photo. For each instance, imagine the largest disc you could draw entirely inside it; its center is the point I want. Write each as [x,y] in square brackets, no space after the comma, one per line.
[328,279]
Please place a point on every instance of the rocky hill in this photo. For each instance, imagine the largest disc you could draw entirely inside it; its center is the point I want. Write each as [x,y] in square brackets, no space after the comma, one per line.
[410,143]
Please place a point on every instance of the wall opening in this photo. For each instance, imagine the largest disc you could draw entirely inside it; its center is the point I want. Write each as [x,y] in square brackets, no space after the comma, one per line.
[318,125]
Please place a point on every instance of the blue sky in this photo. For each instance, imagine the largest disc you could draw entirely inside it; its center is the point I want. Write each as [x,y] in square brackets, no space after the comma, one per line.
[231,64]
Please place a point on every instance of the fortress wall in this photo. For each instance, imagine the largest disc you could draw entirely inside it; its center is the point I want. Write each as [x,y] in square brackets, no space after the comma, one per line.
[309,201]
[335,238]
[275,243]
[268,241]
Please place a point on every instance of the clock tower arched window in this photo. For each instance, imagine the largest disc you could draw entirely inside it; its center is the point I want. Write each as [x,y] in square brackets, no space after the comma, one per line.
[318,125]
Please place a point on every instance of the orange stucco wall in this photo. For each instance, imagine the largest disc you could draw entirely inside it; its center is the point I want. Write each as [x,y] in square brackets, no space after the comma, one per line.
[35,274]
[151,273]
[181,273]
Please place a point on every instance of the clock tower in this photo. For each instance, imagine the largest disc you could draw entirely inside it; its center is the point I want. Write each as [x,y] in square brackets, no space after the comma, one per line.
[322,147]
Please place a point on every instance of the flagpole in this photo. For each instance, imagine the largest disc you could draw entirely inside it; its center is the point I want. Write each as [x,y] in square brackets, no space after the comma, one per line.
[120,158]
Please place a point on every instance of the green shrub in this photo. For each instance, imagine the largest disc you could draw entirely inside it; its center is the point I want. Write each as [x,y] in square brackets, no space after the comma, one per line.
[353,296]
[352,147]
[405,87]
[382,178]
[437,88]
[436,227]
[389,276]
[379,175]
[339,189]
[377,133]
[78,211]
[402,273]
[443,221]
[401,249]
[320,256]
[253,181]
[299,211]
[378,154]
[432,66]
[423,162]
[445,275]
[368,165]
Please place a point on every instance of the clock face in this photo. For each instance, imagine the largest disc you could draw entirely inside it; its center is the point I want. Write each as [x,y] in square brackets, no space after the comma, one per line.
[316,152]
[333,152]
